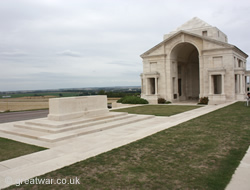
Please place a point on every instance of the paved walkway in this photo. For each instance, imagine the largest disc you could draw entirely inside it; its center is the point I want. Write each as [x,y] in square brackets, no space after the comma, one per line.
[241,177]
[71,151]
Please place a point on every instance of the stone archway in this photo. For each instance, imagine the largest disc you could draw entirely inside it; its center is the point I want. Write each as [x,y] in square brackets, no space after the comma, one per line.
[185,72]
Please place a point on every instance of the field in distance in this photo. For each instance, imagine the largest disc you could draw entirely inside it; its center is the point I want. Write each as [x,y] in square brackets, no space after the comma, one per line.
[38,99]
[24,103]
[30,103]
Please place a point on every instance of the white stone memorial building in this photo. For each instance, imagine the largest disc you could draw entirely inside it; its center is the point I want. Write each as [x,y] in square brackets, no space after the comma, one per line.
[194,61]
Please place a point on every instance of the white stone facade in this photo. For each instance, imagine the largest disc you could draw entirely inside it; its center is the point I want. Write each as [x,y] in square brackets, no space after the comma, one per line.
[194,61]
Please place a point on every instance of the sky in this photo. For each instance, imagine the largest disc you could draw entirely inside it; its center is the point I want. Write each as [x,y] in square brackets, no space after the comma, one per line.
[53,44]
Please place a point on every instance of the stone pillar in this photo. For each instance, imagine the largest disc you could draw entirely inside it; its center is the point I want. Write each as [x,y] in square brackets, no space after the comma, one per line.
[147,86]
[156,86]
[237,84]
[246,83]
[142,86]
[210,85]
[222,84]
[168,80]
[241,84]
[201,77]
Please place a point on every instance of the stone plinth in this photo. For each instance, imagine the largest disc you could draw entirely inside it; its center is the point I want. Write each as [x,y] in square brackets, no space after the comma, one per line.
[74,107]
[216,99]
[152,99]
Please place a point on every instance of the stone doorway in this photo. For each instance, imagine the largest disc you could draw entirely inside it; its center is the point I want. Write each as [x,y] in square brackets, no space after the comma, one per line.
[185,72]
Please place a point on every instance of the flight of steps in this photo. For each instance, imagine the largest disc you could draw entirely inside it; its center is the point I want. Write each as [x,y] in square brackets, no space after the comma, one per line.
[54,131]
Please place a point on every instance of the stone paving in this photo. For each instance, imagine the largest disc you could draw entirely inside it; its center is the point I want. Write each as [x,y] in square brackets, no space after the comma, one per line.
[70,151]
[241,177]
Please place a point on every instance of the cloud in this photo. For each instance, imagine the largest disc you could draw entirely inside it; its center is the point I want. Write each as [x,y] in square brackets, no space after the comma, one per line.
[95,42]
[69,53]
[15,53]
[124,63]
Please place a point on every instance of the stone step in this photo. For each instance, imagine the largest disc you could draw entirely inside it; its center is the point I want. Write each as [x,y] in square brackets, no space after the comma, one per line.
[58,124]
[25,161]
[73,131]
[23,132]
[93,129]
[90,123]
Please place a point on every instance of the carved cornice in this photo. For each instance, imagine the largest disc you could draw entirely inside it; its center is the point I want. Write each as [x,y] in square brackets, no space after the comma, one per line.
[151,74]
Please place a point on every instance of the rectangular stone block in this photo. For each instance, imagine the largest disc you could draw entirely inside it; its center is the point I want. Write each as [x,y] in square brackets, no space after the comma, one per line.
[74,107]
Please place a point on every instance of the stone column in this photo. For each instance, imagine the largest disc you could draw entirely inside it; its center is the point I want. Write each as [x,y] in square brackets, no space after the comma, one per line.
[156,86]
[210,85]
[142,86]
[168,79]
[241,84]
[237,84]
[201,77]
[246,83]
[147,86]
[222,84]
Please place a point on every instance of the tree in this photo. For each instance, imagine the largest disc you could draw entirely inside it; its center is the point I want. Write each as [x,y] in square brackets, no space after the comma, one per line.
[101,92]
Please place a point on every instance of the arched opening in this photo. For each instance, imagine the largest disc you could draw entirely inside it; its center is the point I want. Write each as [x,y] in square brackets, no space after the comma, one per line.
[185,72]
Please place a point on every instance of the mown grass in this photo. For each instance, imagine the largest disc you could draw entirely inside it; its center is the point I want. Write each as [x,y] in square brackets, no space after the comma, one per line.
[202,153]
[12,149]
[157,110]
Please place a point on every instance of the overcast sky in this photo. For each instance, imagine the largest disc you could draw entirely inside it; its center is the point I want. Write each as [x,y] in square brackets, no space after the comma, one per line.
[51,44]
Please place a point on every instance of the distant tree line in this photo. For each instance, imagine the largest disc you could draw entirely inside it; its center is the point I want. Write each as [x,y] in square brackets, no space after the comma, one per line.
[109,91]
[112,94]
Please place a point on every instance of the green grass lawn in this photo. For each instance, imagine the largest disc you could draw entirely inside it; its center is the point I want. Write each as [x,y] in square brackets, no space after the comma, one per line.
[12,149]
[158,110]
[202,153]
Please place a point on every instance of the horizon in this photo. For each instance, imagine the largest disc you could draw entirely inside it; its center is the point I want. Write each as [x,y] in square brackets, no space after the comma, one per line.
[81,88]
